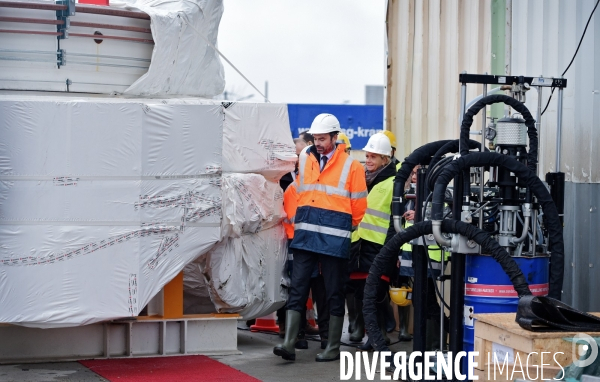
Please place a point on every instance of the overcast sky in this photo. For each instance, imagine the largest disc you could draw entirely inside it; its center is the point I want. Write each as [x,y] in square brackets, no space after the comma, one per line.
[310,51]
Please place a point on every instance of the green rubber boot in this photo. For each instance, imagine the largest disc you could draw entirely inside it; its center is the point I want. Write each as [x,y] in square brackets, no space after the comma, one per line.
[286,350]
[332,352]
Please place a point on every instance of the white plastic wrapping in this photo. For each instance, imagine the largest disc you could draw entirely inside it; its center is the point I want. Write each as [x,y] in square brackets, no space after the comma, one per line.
[250,204]
[104,200]
[101,204]
[182,61]
[254,140]
[243,274]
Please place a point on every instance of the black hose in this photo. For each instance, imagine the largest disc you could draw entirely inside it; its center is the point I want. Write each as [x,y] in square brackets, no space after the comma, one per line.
[453,147]
[386,258]
[519,107]
[556,242]
[421,156]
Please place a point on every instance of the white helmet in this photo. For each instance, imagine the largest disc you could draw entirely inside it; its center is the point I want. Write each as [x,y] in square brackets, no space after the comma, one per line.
[379,144]
[325,123]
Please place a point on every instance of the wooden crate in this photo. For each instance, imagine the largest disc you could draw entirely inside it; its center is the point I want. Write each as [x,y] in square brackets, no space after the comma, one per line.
[495,331]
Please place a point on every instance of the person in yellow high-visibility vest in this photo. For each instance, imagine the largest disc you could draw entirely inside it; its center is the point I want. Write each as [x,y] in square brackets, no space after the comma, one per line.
[368,240]
[434,270]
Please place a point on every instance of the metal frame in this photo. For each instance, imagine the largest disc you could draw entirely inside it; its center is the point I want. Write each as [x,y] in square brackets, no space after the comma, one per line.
[210,334]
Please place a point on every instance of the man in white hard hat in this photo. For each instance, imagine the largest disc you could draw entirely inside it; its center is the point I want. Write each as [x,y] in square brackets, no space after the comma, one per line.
[331,196]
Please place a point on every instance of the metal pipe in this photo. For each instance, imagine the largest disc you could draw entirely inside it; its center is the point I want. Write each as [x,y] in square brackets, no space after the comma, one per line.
[481,169]
[112,12]
[43,6]
[457,281]
[94,36]
[103,37]
[111,65]
[463,100]
[398,224]
[79,9]
[30,21]
[436,230]
[534,232]
[520,239]
[538,127]
[110,26]
[31,32]
[110,57]
[74,24]
[53,52]
[26,59]
[442,339]
[559,127]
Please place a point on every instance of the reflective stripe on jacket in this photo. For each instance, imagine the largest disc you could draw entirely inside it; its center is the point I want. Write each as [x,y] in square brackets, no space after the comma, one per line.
[330,203]
[290,203]
[375,223]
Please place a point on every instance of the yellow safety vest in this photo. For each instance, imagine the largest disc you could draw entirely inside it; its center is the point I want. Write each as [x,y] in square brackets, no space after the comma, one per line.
[374,225]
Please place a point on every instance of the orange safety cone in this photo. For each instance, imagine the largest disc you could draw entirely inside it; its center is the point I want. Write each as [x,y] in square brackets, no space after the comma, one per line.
[265,324]
[310,316]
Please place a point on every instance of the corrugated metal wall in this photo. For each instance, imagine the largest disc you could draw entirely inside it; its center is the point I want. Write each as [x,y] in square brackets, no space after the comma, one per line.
[545,37]
[430,43]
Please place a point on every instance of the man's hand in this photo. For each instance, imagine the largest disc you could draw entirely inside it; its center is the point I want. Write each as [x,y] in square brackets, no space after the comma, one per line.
[409,215]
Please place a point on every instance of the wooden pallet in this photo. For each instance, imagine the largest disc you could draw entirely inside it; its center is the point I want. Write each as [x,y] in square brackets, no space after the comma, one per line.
[500,333]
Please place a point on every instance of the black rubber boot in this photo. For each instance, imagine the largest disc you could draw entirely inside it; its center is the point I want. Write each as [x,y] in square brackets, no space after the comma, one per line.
[432,335]
[301,342]
[286,350]
[381,318]
[366,346]
[359,325]
[323,341]
[332,352]
[404,316]
[351,312]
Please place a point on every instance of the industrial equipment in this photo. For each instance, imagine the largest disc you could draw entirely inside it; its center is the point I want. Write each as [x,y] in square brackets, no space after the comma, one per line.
[504,227]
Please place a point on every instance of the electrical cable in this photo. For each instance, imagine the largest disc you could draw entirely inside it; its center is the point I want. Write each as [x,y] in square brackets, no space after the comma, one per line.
[574,55]
[430,265]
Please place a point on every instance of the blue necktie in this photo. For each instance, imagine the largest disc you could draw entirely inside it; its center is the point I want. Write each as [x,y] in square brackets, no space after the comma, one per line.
[324,160]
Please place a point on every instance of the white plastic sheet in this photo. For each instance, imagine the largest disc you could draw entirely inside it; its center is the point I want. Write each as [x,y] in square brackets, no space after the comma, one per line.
[104,200]
[182,61]
[250,204]
[255,137]
[243,274]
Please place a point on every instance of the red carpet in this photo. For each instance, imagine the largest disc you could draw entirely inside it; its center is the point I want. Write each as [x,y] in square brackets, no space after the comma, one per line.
[190,368]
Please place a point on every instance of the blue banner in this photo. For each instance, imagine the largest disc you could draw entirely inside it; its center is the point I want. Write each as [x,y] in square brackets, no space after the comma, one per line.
[358,122]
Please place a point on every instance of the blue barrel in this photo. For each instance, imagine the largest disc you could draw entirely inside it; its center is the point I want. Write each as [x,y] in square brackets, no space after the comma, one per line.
[489,290]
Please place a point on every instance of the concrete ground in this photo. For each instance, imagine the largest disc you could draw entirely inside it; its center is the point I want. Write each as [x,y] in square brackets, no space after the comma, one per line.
[257,359]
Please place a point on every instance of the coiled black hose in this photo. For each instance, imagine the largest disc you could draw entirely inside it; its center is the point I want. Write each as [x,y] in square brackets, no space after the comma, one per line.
[556,242]
[518,106]
[422,156]
[453,147]
[386,258]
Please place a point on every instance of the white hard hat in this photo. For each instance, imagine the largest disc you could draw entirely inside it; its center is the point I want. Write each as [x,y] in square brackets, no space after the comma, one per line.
[379,144]
[325,123]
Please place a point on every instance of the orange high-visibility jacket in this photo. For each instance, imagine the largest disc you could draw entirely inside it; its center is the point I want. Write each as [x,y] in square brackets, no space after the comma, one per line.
[330,203]
[290,203]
